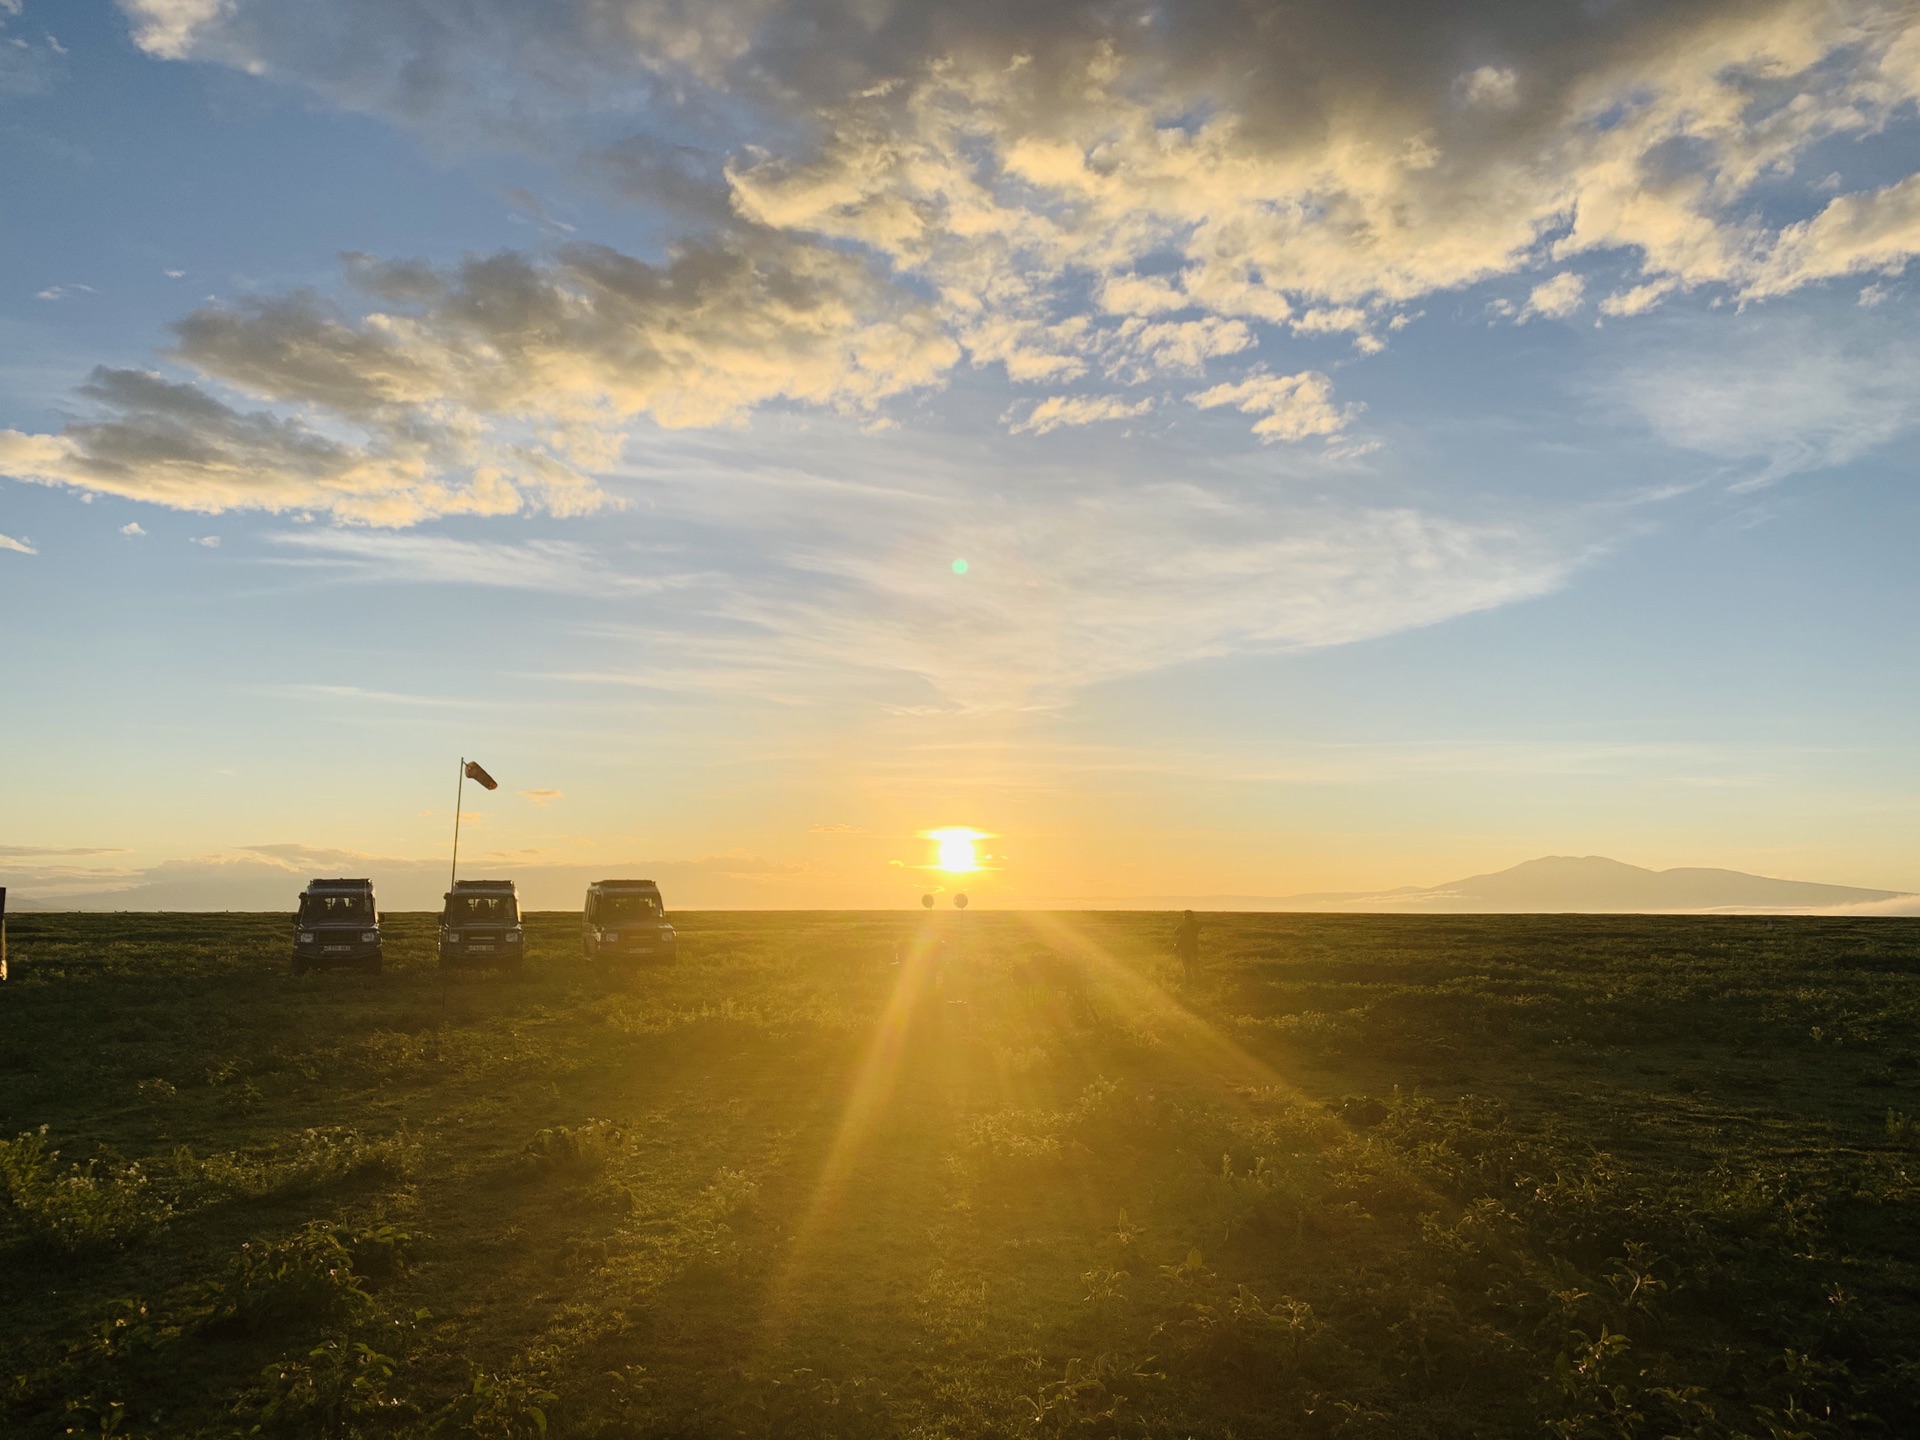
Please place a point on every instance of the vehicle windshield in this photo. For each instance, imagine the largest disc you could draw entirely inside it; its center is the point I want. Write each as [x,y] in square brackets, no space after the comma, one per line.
[609,908]
[481,910]
[336,907]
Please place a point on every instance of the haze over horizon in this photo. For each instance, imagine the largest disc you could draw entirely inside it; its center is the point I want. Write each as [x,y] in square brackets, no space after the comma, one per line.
[1207,449]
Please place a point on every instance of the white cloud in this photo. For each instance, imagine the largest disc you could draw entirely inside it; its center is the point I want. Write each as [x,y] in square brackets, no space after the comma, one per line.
[1639,299]
[1855,234]
[1291,407]
[169,29]
[1556,298]
[1491,86]
[559,567]
[787,566]
[209,542]
[1058,411]
[1777,398]
[132,527]
[7,542]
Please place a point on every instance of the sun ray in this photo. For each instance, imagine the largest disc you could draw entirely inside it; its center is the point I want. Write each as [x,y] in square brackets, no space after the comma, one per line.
[867,1100]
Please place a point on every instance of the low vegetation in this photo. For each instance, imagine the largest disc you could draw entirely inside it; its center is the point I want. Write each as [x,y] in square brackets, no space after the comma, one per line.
[968,1175]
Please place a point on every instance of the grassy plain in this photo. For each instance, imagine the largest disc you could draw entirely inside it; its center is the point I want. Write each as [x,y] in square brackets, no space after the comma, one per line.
[968,1175]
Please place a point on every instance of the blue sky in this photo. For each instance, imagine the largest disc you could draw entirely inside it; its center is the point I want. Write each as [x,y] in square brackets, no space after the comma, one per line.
[1375,463]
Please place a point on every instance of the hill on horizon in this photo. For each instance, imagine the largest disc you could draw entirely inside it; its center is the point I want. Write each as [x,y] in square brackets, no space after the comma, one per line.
[1560,884]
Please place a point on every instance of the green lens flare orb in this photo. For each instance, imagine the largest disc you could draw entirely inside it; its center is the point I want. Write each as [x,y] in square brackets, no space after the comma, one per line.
[959,567]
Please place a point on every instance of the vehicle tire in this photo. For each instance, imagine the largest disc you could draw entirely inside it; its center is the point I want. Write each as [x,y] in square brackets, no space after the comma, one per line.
[586,949]
[299,965]
[372,965]
[672,957]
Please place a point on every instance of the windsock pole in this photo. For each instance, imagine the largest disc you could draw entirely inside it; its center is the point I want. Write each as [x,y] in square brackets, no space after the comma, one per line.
[459,794]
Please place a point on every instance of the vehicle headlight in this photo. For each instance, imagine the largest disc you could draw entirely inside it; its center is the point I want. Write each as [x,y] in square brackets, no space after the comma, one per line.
[453,935]
[306,937]
[513,936]
[369,936]
[666,932]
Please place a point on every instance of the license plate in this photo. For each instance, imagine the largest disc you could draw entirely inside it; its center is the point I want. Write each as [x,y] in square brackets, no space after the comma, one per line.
[335,949]
[481,949]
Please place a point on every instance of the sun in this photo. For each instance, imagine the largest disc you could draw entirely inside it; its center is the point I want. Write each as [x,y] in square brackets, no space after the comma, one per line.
[954,849]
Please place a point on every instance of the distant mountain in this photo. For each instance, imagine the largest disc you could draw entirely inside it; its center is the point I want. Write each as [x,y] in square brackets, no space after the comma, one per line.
[1586,884]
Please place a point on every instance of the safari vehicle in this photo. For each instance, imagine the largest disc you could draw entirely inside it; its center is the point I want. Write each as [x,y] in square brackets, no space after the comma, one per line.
[337,924]
[481,925]
[626,919]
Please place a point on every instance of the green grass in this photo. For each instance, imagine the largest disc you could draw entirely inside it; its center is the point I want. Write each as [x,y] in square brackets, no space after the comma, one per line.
[1460,1176]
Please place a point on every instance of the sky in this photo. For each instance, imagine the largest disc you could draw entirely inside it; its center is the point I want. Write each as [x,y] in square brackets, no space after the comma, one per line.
[1206,448]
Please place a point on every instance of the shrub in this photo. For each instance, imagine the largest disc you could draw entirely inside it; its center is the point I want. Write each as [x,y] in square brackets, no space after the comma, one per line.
[82,1207]
[496,1407]
[576,1150]
[317,1159]
[311,1276]
[335,1391]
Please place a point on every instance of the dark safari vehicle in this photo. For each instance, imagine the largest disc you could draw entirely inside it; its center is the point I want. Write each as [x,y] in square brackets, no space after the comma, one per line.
[481,925]
[337,924]
[627,919]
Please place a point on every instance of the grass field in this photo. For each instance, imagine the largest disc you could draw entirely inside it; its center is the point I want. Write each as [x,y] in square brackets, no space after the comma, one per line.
[1516,1176]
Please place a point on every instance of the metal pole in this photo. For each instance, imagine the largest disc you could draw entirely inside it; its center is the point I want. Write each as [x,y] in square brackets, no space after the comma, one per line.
[459,793]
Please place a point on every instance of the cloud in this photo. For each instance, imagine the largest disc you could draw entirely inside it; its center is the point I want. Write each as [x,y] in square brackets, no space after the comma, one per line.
[807,566]
[489,388]
[1854,235]
[1490,86]
[836,829]
[13,851]
[1291,407]
[1057,192]
[1058,411]
[28,66]
[556,566]
[169,29]
[540,798]
[7,542]
[1777,397]
[1556,298]
[132,527]
[1075,577]
[171,443]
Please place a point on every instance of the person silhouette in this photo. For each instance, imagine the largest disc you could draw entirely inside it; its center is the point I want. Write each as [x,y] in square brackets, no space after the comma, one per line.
[1186,944]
